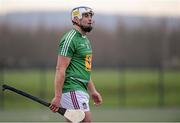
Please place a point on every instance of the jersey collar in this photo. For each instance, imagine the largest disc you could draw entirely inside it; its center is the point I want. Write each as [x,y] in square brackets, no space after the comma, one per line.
[83,36]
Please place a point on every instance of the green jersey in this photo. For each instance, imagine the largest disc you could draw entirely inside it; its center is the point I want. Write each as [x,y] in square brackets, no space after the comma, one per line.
[78,48]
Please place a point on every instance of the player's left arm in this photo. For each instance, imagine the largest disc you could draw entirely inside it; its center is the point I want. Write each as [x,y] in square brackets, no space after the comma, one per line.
[96,96]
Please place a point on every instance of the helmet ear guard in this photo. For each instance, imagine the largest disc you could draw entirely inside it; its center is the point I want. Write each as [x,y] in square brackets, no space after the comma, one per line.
[79,11]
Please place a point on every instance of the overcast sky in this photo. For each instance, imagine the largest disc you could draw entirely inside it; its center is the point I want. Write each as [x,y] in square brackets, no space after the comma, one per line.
[132,7]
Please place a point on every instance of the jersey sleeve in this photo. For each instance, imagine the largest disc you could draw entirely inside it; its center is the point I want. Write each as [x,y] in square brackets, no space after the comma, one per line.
[66,48]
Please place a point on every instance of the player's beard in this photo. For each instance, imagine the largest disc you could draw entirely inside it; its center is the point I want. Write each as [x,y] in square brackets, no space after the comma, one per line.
[86,28]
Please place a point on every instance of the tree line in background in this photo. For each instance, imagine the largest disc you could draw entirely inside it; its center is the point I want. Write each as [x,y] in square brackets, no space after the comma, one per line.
[146,45]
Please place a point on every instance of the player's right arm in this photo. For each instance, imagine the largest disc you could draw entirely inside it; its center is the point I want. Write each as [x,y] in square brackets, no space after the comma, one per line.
[62,64]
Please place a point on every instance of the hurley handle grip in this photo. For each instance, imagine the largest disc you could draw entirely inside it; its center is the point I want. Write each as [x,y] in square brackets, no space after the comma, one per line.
[36,99]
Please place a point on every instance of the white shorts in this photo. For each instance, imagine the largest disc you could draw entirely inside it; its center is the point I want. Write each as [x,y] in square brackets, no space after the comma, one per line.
[75,100]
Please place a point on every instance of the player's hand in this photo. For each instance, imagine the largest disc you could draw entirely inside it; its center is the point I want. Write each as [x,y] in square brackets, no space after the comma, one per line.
[55,103]
[96,98]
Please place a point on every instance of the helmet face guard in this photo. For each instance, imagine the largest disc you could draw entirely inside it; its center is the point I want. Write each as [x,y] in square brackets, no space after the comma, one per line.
[79,11]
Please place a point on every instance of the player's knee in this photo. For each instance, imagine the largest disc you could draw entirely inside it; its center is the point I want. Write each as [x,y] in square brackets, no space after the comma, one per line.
[87,120]
[88,117]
